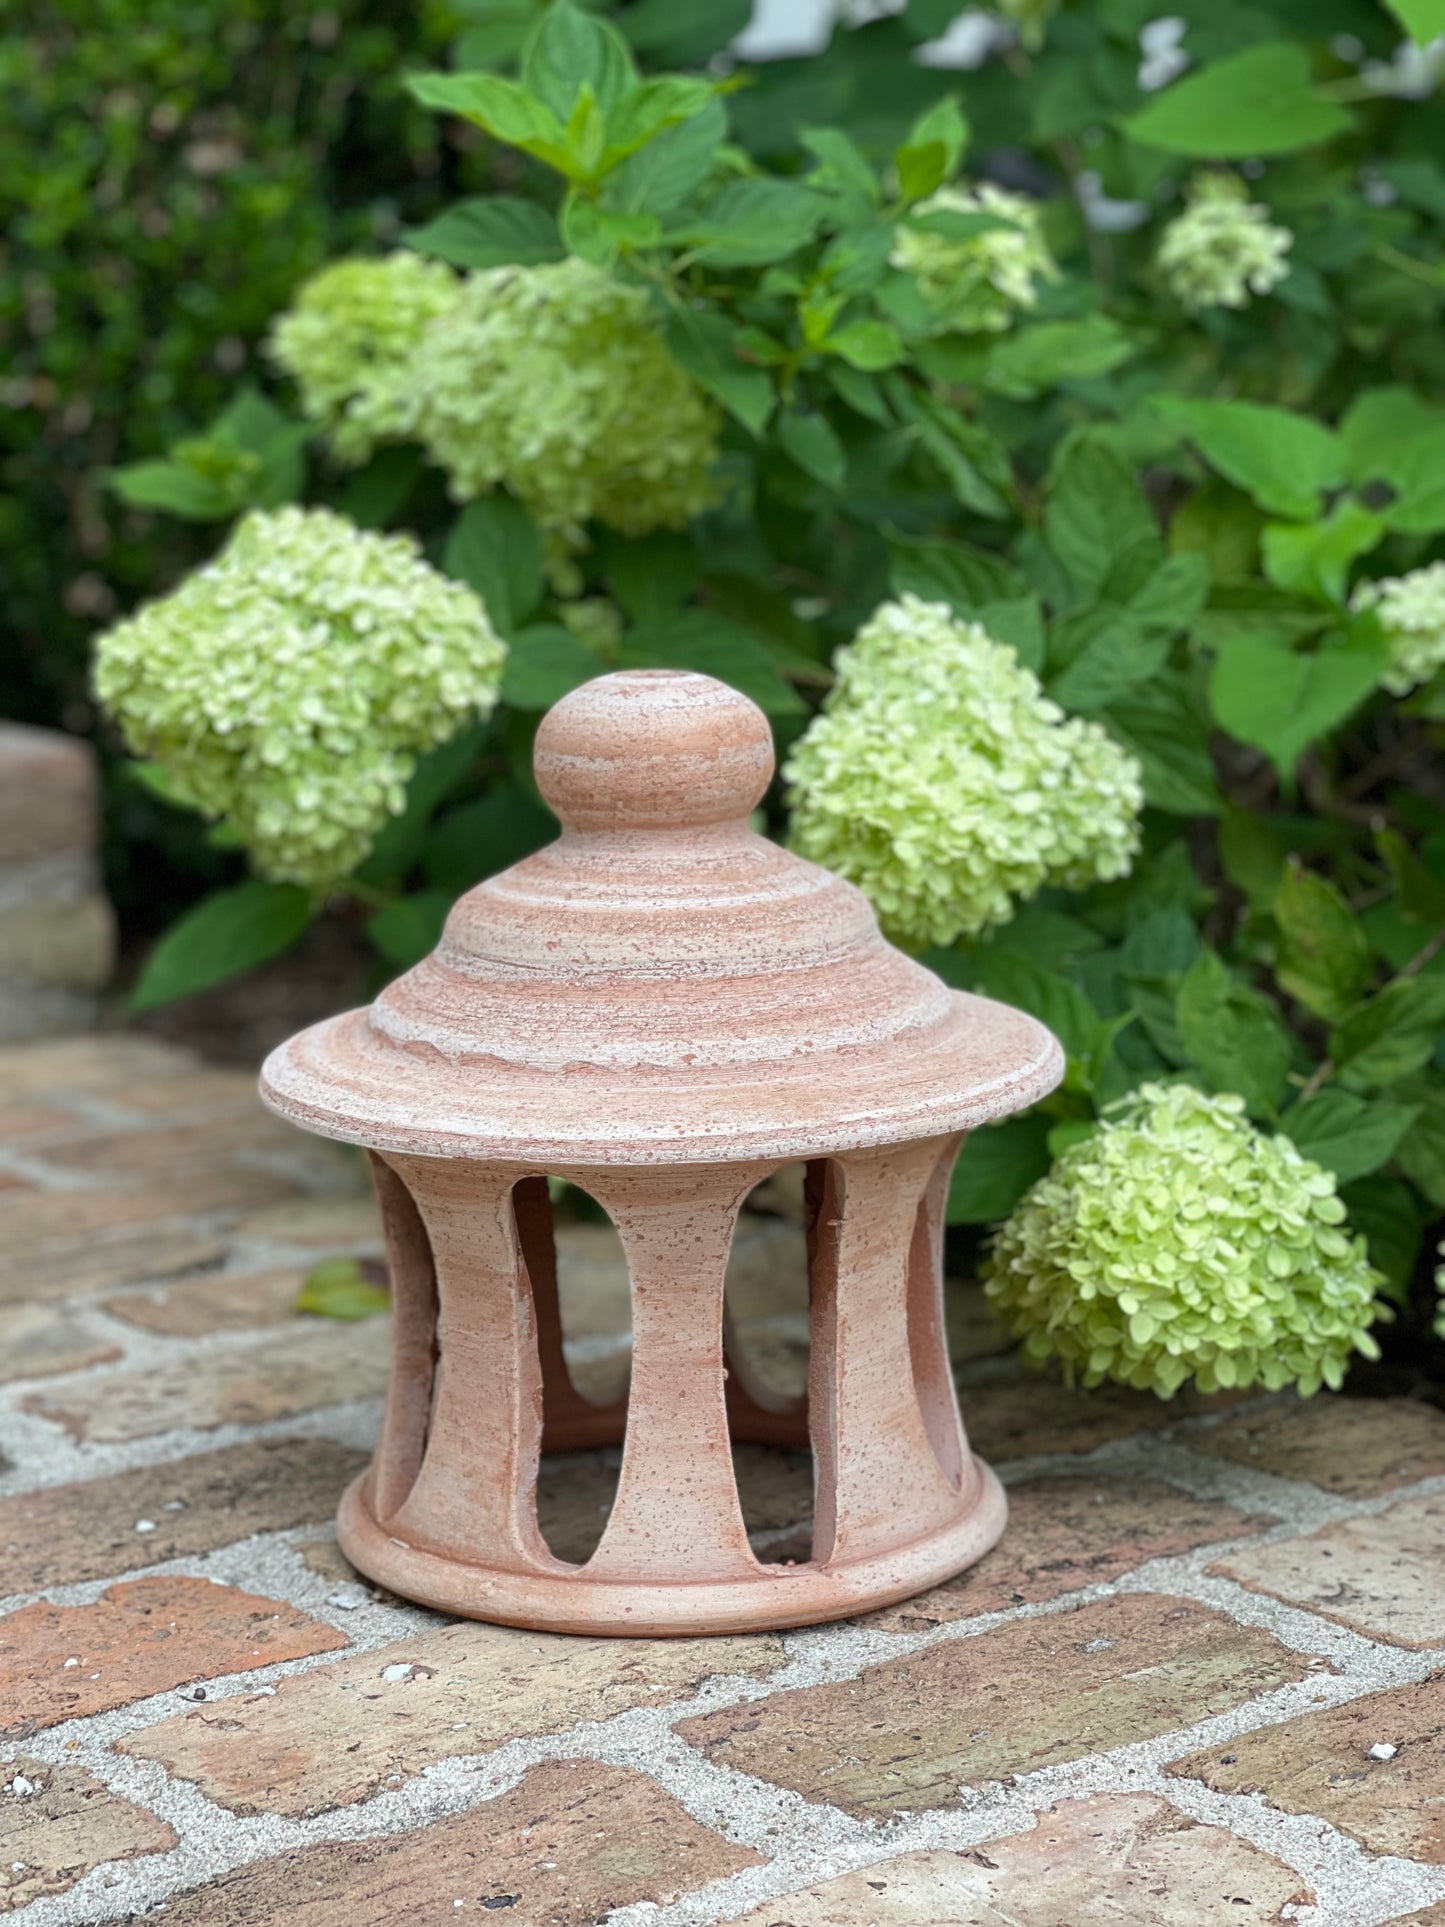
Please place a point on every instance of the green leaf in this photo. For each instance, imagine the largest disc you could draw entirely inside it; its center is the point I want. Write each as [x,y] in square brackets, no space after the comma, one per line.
[1101,654]
[598,235]
[1385,1214]
[967,454]
[650,575]
[1018,622]
[843,168]
[228,932]
[399,842]
[1159,725]
[1265,694]
[997,1165]
[1251,855]
[932,150]
[375,495]
[965,578]
[545,662]
[1233,1035]
[697,639]
[814,446]
[344,1288]
[866,345]
[489,233]
[569,50]
[1220,524]
[1046,353]
[1260,101]
[1284,460]
[1313,558]
[670,167]
[1324,959]
[749,223]
[1019,980]
[501,108]
[649,111]
[704,342]
[496,548]
[1421,1155]
[409,928]
[1095,512]
[477,839]
[1170,596]
[1419,893]
[174,488]
[1345,1134]
[1423,20]
[1392,1035]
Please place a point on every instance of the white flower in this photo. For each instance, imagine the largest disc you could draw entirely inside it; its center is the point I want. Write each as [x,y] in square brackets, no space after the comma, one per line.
[1223,248]
[943,782]
[350,340]
[557,382]
[1180,1242]
[979,283]
[1411,609]
[288,685]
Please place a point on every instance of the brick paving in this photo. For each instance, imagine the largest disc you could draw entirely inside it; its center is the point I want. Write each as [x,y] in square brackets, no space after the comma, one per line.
[1202,1678]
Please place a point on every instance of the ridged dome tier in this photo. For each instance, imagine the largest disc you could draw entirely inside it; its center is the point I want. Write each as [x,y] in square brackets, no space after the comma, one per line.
[660,984]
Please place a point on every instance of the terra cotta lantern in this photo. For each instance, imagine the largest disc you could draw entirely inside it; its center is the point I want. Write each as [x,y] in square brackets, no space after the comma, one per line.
[664,1008]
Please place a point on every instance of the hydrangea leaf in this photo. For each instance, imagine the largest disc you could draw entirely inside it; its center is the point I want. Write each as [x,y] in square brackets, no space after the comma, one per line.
[697,639]
[1158,723]
[1421,1153]
[228,932]
[489,232]
[996,1167]
[813,444]
[1281,701]
[1285,460]
[1392,1034]
[1345,1134]
[670,167]
[1314,557]
[569,50]
[1260,101]
[705,344]
[545,662]
[1423,20]
[1233,1035]
[1095,512]
[964,577]
[495,548]
[1046,353]
[1323,959]
[750,223]
[933,149]
[1100,654]
[477,839]
[1387,1215]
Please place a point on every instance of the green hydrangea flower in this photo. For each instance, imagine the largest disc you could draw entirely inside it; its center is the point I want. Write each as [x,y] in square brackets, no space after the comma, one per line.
[1223,249]
[1180,1242]
[289,684]
[943,782]
[979,284]
[1411,609]
[350,342]
[557,381]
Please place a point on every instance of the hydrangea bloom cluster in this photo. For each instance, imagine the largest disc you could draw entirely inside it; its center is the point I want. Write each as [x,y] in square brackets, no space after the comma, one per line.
[289,684]
[1411,609]
[1180,1242]
[557,381]
[1223,248]
[942,781]
[350,342]
[978,284]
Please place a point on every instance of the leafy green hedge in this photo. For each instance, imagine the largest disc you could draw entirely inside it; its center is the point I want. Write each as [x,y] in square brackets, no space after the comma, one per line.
[1137,387]
[168,173]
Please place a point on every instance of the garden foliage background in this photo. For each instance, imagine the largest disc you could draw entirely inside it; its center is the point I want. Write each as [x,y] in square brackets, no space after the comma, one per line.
[1121,350]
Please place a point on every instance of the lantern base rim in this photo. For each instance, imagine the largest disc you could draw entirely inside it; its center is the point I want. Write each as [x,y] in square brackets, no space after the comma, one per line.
[568,1601]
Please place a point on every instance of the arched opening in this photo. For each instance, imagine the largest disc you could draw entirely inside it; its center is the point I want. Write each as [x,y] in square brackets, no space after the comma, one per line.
[578,1275]
[766,1323]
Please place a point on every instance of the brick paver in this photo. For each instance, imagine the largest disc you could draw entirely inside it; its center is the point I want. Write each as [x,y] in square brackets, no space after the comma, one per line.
[140,1637]
[65,1533]
[1379,1575]
[1065,1534]
[57,1822]
[1356,1446]
[1375,1768]
[440,1695]
[908,1734]
[573,1842]
[155,1228]
[1088,1863]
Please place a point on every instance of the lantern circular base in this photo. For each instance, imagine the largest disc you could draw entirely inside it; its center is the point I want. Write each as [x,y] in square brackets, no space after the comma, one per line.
[566,1600]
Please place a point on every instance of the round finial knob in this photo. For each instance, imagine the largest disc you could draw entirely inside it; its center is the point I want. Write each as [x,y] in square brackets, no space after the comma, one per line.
[653,749]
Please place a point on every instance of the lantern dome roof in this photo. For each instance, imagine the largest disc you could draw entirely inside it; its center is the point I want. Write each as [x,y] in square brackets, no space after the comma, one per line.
[661,984]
